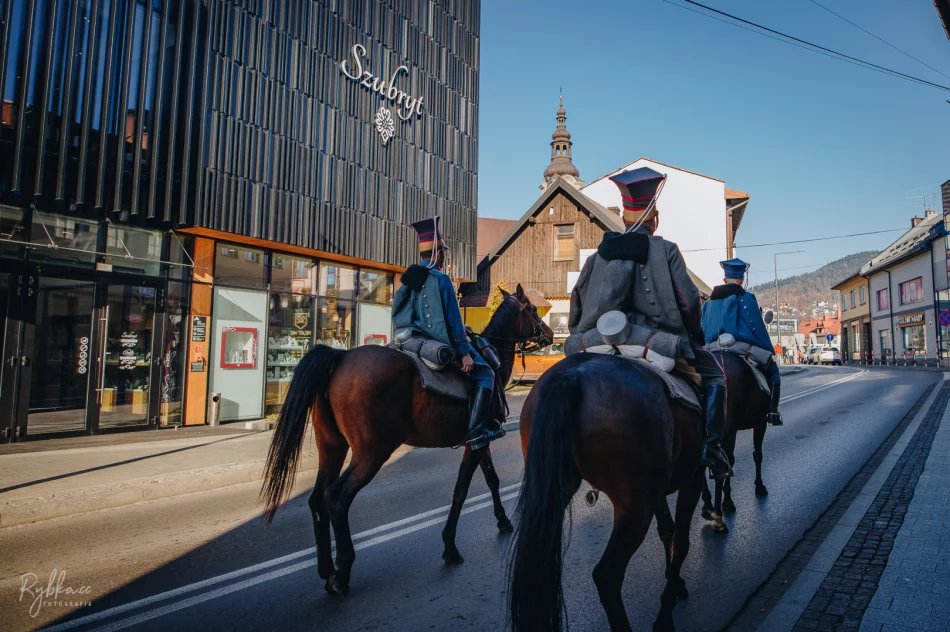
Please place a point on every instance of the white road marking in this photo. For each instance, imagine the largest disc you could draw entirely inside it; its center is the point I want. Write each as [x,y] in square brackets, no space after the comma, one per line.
[190,588]
[816,389]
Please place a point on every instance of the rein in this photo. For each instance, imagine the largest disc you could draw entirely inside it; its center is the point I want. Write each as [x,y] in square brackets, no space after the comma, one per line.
[522,346]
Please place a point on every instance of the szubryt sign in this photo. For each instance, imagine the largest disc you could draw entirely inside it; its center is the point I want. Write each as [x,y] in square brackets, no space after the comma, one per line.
[404,105]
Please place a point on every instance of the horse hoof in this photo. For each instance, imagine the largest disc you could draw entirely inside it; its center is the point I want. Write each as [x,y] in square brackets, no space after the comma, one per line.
[761,491]
[719,525]
[505,526]
[453,557]
[728,506]
[324,572]
[336,587]
[707,513]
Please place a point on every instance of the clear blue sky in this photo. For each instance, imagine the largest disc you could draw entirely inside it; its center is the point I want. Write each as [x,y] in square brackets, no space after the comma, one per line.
[822,146]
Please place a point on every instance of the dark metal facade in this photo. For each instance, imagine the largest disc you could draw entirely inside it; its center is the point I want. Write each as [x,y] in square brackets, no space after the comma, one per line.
[101,101]
[290,147]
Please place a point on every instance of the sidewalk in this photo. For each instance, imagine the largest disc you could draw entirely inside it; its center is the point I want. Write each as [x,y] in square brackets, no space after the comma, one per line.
[882,561]
[40,480]
[39,484]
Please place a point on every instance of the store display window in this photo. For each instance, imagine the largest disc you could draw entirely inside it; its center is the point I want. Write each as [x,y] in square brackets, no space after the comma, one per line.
[174,352]
[375,324]
[240,266]
[289,337]
[337,281]
[239,348]
[915,340]
[335,323]
[376,287]
[292,274]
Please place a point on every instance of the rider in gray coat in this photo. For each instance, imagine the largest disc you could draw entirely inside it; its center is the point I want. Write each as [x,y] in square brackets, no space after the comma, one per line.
[645,277]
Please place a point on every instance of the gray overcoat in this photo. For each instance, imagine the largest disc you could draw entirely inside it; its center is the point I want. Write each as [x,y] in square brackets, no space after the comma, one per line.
[644,277]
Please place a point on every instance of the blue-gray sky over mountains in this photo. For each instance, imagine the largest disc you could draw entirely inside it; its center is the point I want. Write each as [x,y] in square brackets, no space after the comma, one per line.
[823,147]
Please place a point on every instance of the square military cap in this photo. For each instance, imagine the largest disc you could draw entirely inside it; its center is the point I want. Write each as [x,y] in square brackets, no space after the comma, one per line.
[430,233]
[639,189]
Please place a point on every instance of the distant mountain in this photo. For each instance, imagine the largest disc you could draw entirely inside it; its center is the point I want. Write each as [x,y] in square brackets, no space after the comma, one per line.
[803,292]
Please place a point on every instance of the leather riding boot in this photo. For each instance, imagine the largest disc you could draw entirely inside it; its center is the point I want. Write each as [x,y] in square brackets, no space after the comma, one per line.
[478,433]
[714,457]
[775,417]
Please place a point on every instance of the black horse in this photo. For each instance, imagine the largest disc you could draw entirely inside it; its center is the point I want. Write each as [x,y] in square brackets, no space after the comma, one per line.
[747,408]
[611,422]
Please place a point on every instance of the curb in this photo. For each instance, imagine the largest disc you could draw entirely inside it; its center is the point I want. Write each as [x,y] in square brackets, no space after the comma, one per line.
[20,511]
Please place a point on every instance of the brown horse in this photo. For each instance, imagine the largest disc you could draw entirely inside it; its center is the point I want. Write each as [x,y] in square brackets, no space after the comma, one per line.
[609,421]
[370,401]
[747,408]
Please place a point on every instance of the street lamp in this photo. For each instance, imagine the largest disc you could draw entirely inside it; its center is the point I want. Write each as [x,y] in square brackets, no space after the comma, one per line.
[778,311]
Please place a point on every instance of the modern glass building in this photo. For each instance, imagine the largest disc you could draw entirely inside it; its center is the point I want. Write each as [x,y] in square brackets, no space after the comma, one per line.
[193,193]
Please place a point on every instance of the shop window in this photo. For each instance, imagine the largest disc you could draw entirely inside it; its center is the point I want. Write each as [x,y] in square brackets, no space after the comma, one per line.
[564,243]
[883,300]
[74,239]
[912,291]
[376,287]
[915,340]
[134,250]
[240,266]
[292,274]
[335,320]
[337,281]
[289,337]
[375,324]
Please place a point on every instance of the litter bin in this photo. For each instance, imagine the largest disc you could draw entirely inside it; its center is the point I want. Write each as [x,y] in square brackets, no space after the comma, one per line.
[214,410]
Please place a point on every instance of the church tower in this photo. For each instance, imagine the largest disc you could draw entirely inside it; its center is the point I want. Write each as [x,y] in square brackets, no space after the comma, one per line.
[561,150]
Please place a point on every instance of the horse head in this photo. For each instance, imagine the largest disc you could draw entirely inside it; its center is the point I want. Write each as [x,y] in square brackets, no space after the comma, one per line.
[523,322]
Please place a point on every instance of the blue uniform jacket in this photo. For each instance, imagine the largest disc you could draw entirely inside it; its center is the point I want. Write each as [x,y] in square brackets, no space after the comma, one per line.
[427,303]
[732,310]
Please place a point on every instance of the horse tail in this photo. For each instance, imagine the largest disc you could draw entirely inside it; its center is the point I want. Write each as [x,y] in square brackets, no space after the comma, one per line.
[551,477]
[308,388]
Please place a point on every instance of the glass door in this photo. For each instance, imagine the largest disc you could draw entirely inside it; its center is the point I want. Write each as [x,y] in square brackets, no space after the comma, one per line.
[128,320]
[62,356]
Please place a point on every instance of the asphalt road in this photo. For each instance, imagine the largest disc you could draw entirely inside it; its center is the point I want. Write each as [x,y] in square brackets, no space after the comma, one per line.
[227,571]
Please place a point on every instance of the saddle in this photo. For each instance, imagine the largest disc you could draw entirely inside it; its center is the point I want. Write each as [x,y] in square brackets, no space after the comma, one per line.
[681,380]
[756,357]
[435,362]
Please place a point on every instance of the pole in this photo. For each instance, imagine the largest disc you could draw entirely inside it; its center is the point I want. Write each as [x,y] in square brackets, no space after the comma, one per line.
[778,312]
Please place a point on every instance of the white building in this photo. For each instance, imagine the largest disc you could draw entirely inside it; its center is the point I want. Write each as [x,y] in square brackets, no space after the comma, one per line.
[697,212]
[903,281]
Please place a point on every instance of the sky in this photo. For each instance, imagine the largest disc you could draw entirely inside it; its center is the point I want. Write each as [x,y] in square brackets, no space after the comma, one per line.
[823,147]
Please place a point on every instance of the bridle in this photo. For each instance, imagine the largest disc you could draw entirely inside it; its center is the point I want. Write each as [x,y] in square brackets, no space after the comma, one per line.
[523,346]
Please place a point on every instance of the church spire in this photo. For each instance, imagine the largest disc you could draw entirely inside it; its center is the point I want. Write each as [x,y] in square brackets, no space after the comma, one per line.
[561,153]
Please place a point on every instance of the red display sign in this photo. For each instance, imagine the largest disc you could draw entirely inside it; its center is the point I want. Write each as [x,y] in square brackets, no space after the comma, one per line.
[239,348]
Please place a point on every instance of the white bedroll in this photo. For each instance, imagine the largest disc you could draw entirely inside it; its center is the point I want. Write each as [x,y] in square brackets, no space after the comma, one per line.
[614,328]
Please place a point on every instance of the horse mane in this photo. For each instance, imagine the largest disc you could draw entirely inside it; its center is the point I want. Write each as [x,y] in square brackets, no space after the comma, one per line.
[502,320]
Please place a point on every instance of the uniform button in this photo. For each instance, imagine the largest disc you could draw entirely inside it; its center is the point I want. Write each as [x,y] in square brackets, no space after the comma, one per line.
[648,290]
[652,302]
[430,326]
[644,278]
[425,296]
[428,315]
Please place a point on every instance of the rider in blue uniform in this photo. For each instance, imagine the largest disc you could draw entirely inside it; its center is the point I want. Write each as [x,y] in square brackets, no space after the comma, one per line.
[414,307]
[732,310]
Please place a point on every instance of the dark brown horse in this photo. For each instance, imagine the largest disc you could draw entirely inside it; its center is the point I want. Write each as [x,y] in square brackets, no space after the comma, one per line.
[370,401]
[611,422]
[747,408]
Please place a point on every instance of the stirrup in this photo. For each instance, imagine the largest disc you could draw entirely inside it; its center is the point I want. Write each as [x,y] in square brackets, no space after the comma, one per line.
[775,419]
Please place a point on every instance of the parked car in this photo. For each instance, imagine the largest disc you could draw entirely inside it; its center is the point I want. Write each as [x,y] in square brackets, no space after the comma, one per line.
[831,355]
[811,356]
[537,363]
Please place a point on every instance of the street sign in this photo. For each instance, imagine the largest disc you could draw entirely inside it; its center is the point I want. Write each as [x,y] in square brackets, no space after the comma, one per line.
[944,318]
[830,337]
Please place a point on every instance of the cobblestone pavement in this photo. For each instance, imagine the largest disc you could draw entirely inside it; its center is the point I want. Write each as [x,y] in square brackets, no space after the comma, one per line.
[761,602]
[848,591]
[914,589]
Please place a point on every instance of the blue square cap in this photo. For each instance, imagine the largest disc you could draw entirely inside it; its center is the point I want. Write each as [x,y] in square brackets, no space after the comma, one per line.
[734,268]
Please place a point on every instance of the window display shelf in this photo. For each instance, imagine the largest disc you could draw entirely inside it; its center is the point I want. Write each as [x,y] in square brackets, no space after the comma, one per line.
[286,348]
[282,364]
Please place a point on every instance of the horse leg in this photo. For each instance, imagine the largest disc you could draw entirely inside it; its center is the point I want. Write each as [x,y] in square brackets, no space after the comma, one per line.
[707,502]
[665,525]
[758,435]
[491,478]
[467,469]
[339,497]
[630,527]
[730,447]
[718,524]
[686,501]
[331,462]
